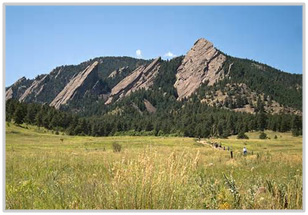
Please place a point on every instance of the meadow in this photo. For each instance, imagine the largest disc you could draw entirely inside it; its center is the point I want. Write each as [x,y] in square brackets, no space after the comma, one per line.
[49,171]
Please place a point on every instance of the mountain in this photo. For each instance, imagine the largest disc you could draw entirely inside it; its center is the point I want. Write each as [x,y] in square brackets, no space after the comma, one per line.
[204,93]
[204,72]
[49,87]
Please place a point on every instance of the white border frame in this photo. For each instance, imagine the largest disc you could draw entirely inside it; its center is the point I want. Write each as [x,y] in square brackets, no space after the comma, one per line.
[152,3]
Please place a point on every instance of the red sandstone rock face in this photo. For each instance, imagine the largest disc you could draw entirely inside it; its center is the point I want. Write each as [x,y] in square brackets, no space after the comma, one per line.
[141,78]
[72,87]
[202,63]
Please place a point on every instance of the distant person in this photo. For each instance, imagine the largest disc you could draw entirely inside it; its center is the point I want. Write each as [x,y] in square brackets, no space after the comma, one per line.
[244,151]
[228,148]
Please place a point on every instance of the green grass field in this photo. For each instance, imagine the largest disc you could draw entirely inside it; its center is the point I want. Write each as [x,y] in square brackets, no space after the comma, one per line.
[48,171]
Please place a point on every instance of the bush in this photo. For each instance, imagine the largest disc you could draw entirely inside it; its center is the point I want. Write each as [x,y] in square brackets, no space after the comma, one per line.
[275,137]
[263,135]
[116,147]
[242,135]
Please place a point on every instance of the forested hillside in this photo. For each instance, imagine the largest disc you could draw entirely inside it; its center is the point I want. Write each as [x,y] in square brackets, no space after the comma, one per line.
[204,93]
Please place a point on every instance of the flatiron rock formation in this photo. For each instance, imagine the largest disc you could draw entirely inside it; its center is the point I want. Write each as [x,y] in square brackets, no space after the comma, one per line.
[36,87]
[141,78]
[71,89]
[91,86]
[202,63]
[18,88]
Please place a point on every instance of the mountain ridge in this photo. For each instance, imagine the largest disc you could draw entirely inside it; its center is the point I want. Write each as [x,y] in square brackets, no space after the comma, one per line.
[198,75]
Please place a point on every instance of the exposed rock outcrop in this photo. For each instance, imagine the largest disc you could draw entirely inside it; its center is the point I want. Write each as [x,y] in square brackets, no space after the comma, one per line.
[150,108]
[141,78]
[117,72]
[240,98]
[203,63]
[71,89]
[19,81]
[9,94]
[58,73]
[17,89]
[36,87]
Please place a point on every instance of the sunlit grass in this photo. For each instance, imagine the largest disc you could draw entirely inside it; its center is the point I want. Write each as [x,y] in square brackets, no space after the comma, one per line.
[48,171]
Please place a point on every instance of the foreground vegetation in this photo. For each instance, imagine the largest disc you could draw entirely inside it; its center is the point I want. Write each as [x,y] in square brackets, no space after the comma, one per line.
[49,171]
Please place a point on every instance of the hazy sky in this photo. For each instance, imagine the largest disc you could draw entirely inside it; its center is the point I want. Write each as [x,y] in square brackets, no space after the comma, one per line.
[39,38]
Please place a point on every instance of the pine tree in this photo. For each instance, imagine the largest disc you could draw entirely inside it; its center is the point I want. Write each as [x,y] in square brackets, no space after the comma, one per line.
[31,113]
[39,119]
[296,125]
[19,115]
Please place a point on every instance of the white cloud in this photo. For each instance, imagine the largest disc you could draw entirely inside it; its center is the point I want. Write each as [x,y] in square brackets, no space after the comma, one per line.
[169,55]
[138,53]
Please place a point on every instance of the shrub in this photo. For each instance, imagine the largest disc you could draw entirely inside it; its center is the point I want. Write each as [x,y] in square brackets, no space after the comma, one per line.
[275,137]
[242,135]
[263,135]
[116,147]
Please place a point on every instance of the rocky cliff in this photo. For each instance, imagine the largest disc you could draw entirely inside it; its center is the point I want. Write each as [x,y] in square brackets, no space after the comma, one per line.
[71,89]
[141,78]
[203,63]
[35,88]
[18,88]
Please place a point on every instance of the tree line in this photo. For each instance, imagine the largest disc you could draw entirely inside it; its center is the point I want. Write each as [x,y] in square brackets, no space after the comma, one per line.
[191,120]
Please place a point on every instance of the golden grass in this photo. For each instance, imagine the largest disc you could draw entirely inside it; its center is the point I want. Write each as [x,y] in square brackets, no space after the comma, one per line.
[43,172]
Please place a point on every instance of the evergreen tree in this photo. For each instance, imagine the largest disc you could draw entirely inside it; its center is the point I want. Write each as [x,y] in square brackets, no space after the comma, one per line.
[296,125]
[19,115]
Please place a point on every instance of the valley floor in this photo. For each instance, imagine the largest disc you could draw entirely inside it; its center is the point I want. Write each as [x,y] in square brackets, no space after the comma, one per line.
[49,171]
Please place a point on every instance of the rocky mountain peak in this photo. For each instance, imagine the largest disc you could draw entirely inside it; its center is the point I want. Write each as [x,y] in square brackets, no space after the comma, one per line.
[202,43]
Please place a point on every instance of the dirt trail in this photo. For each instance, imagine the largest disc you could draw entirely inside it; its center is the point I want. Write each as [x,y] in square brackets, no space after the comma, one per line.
[213,146]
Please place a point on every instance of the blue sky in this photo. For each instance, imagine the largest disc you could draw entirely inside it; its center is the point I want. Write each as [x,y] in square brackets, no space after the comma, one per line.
[39,38]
